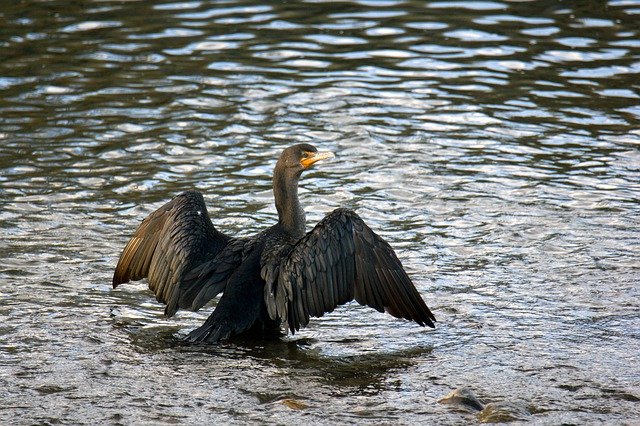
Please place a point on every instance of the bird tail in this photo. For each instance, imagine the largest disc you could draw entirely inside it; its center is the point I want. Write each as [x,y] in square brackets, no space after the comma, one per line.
[234,314]
[216,329]
[211,332]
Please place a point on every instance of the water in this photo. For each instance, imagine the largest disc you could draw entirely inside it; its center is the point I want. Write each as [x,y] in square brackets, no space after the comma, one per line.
[493,144]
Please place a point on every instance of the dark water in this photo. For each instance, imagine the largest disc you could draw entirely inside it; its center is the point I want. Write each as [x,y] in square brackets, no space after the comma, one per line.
[495,145]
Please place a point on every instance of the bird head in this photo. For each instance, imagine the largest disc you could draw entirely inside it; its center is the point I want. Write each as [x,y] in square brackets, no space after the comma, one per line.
[301,156]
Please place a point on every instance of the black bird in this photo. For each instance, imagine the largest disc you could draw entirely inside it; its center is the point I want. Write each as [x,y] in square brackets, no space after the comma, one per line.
[281,275]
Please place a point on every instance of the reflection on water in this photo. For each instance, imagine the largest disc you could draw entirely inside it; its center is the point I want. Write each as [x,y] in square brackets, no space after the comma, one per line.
[494,144]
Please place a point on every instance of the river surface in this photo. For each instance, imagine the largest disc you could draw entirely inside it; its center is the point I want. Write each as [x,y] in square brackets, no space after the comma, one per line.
[494,144]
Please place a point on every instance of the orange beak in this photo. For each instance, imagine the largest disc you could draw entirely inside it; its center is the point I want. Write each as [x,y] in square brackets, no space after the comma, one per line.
[314,157]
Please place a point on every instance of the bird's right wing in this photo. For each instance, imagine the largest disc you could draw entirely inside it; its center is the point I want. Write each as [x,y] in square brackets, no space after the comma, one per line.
[168,244]
[341,259]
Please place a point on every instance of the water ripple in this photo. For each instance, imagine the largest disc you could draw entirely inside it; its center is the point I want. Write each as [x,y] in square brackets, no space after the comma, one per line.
[494,144]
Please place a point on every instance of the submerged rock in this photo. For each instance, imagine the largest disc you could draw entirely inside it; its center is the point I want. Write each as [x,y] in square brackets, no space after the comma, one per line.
[503,411]
[294,404]
[463,397]
[493,412]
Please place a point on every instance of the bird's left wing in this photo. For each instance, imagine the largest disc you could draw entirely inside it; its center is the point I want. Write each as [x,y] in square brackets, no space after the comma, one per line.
[342,259]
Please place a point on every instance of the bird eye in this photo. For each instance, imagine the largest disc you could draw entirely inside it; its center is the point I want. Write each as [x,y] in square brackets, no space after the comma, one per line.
[305,154]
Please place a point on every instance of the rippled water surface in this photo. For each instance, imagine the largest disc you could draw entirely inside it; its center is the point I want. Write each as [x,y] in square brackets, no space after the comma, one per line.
[494,144]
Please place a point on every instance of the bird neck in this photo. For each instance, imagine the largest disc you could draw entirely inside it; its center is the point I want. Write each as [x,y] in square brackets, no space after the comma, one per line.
[290,213]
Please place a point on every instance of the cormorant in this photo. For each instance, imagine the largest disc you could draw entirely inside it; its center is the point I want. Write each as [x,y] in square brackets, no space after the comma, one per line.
[283,275]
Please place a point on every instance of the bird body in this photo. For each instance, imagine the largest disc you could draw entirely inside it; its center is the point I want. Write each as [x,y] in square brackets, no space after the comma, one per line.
[282,275]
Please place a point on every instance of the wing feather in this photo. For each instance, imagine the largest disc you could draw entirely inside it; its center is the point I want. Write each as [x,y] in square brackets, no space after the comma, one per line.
[168,244]
[340,260]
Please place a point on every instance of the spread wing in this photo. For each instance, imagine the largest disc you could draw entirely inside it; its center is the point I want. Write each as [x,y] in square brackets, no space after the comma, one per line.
[168,244]
[342,259]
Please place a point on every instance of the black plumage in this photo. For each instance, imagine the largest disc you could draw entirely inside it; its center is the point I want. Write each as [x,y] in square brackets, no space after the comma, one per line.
[283,275]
